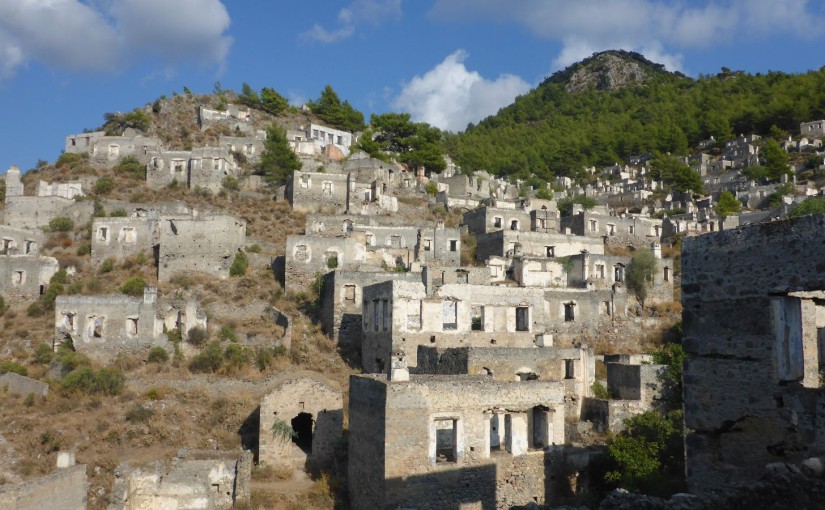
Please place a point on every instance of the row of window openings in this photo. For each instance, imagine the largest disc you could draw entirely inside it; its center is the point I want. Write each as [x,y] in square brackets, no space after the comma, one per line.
[503,436]
[396,242]
[499,222]
[126,235]
[95,325]
[327,137]
[8,244]
[611,228]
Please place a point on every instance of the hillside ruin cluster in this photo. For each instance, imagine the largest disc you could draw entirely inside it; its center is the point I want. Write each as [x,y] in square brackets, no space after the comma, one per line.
[476,340]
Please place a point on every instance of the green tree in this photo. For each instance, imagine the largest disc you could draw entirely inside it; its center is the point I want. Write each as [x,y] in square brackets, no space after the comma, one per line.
[811,205]
[272,102]
[727,205]
[414,143]
[329,108]
[278,160]
[673,356]
[134,286]
[239,264]
[648,455]
[249,97]
[640,273]
[776,159]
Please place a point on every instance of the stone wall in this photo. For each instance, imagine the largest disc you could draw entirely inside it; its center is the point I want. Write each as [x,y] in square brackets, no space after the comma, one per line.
[319,404]
[120,238]
[491,219]
[442,444]
[19,241]
[199,244]
[307,256]
[752,319]
[314,192]
[65,489]
[535,244]
[34,212]
[26,277]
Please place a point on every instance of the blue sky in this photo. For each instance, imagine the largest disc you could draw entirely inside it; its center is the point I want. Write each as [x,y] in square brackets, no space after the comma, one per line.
[64,63]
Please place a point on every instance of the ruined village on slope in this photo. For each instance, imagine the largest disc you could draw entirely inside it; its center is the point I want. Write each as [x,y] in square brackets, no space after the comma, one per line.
[480,343]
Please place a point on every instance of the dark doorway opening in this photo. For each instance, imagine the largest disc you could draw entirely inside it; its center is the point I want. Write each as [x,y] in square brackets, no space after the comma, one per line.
[302,425]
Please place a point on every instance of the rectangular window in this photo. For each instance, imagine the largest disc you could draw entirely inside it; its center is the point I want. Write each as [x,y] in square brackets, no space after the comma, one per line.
[569,312]
[550,251]
[450,315]
[787,319]
[453,245]
[666,275]
[428,244]
[349,293]
[497,222]
[522,318]
[377,314]
[594,226]
[477,319]
[446,440]
[569,369]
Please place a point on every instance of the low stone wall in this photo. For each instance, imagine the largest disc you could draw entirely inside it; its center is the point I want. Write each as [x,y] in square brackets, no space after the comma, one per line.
[65,489]
[21,385]
[610,414]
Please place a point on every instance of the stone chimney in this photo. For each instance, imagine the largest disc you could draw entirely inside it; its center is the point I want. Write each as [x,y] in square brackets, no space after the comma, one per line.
[398,367]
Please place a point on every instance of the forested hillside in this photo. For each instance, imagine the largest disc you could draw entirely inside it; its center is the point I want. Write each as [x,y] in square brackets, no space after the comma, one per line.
[557,129]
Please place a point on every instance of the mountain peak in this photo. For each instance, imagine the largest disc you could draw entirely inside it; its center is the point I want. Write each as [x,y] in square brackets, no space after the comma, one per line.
[610,70]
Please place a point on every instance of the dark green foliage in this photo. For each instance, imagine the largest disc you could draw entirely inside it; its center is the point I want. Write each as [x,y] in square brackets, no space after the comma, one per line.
[70,159]
[118,213]
[230,183]
[776,159]
[329,108]
[133,286]
[640,274]
[332,262]
[675,174]
[566,204]
[103,185]
[727,205]
[599,391]
[50,440]
[116,123]
[235,356]
[239,264]
[648,456]
[55,288]
[12,366]
[413,143]
[35,309]
[551,132]
[265,355]
[228,334]
[431,188]
[672,355]
[139,414]
[811,205]
[107,265]
[2,305]
[158,355]
[272,102]
[278,160]
[197,336]
[97,209]
[208,360]
[89,381]
[130,165]
[249,97]
[61,224]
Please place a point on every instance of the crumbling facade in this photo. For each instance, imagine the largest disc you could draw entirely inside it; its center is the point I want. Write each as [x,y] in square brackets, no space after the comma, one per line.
[26,277]
[753,320]
[201,244]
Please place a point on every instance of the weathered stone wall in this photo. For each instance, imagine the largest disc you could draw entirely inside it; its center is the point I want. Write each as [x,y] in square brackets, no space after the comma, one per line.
[751,385]
[636,382]
[314,192]
[120,238]
[494,471]
[19,241]
[491,219]
[306,256]
[65,489]
[200,244]
[620,230]
[609,415]
[320,399]
[34,212]
[26,277]
[534,244]
[21,385]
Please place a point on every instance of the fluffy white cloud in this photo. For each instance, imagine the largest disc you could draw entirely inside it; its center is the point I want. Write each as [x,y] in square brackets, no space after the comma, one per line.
[654,27]
[106,35]
[359,12]
[449,96]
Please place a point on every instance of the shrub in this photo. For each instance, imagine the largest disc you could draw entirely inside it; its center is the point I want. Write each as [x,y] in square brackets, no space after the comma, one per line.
[49,439]
[2,305]
[431,188]
[69,159]
[599,391]
[103,185]
[139,414]
[255,248]
[197,336]
[61,224]
[43,354]
[239,264]
[14,367]
[140,258]
[130,165]
[282,430]
[158,355]
[118,213]
[208,360]
[107,265]
[230,183]
[235,355]
[84,249]
[35,309]
[134,286]
[332,262]
[227,334]
[86,380]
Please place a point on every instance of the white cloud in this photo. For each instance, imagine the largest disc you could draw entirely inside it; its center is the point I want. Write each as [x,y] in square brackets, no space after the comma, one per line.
[359,12]
[107,35]
[449,96]
[661,27]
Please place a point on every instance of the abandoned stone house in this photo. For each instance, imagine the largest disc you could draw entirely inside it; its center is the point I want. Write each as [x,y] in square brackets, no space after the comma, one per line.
[106,150]
[236,118]
[196,479]
[32,212]
[503,243]
[401,315]
[812,129]
[316,192]
[313,408]
[25,277]
[753,321]
[308,255]
[449,441]
[635,387]
[201,244]
[251,147]
[623,229]
[69,189]
[491,219]
[122,237]
[103,326]
[204,167]
[20,241]
[315,138]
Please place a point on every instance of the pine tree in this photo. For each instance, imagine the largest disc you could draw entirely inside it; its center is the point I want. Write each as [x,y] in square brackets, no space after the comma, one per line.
[278,160]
